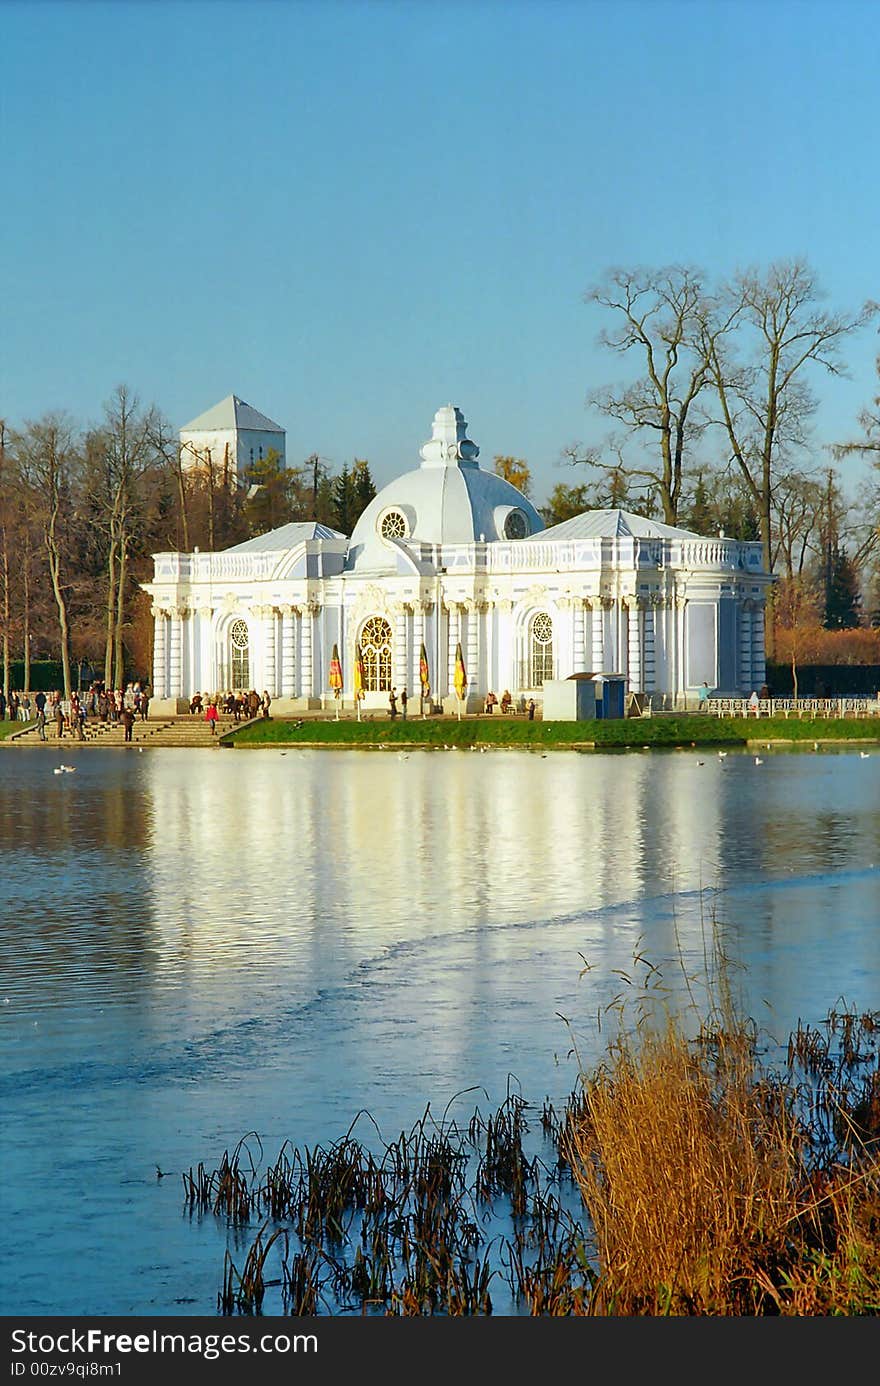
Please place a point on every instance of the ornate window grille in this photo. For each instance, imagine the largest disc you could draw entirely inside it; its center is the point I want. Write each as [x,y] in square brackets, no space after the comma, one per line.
[394,525]
[376,650]
[239,644]
[540,649]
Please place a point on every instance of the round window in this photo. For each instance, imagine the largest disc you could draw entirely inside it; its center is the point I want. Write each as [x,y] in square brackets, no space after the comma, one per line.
[239,635]
[393,525]
[542,628]
[515,525]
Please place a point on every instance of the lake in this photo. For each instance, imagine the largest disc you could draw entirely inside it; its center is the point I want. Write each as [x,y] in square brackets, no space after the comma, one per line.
[200,944]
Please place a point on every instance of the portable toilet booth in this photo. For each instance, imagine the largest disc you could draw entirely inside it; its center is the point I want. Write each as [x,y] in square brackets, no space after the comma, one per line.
[610,694]
[569,700]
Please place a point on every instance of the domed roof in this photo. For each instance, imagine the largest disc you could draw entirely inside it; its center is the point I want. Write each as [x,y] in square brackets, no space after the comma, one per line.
[449,499]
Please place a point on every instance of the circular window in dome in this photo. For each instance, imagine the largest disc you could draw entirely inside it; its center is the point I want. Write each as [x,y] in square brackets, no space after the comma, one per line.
[516,526]
[393,525]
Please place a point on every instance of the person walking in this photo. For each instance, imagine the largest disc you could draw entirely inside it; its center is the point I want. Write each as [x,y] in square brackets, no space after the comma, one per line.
[211,716]
[404,699]
[392,704]
[266,703]
[128,721]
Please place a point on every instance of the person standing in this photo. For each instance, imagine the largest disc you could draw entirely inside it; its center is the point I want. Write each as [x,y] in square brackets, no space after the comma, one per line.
[531,709]
[128,721]
[404,699]
[266,702]
[40,704]
[392,704]
[754,704]
[211,716]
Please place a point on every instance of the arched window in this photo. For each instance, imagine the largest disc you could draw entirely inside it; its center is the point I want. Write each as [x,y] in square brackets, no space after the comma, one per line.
[376,650]
[239,647]
[540,649]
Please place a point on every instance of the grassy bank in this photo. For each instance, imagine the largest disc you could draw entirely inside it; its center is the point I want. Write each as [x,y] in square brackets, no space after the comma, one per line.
[8,728]
[699,730]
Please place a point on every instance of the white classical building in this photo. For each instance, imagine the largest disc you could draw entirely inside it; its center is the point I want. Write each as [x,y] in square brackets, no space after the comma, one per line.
[450,554]
[229,437]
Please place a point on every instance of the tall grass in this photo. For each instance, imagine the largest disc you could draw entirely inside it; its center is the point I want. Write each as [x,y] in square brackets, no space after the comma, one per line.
[715,1186]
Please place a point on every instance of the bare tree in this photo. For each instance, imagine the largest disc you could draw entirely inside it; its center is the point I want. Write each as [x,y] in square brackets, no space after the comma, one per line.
[797,501]
[122,452]
[765,400]
[867,538]
[48,458]
[662,316]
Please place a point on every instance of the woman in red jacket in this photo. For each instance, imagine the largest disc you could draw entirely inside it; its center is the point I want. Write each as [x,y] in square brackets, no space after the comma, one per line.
[211,715]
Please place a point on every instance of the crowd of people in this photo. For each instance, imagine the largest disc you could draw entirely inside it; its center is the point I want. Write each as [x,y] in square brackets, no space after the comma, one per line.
[240,706]
[69,716]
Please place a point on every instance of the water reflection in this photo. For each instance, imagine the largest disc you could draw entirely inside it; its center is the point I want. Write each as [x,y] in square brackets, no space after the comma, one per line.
[198,944]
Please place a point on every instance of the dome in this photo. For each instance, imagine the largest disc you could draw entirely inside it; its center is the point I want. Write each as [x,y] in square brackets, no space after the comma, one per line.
[449,499]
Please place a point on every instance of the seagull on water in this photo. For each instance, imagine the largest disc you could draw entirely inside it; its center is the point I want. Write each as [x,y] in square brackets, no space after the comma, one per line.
[758,760]
[721,755]
[864,755]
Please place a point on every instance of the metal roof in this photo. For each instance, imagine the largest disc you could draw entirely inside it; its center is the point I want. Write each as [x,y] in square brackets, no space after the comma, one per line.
[286,537]
[230,413]
[612,524]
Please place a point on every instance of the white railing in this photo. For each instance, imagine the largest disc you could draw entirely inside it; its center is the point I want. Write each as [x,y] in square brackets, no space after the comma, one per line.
[794,707]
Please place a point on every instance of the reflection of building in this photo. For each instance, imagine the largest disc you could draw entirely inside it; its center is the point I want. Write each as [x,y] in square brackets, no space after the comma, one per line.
[229,438]
[449,555]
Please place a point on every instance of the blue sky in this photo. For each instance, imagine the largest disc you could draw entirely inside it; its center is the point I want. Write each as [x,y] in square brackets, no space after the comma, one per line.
[351,212]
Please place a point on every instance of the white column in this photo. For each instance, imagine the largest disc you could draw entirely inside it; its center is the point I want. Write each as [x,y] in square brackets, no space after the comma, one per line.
[759,666]
[269,651]
[418,640]
[288,653]
[650,677]
[454,637]
[176,690]
[400,662]
[472,661]
[160,667]
[745,649]
[577,637]
[634,653]
[305,658]
[680,617]
[599,637]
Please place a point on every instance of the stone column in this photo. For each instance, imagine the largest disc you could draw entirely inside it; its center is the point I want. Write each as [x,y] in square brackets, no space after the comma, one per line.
[267,633]
[400,662]
[599,609]
[759,666]
[418,640]
[578,637]
[305,656]
[680,614]
[204,673]
[175,661]
[160,667]
[454,638]
[745,649]
[288,652]
[472,658]
[634,652]
[650,674]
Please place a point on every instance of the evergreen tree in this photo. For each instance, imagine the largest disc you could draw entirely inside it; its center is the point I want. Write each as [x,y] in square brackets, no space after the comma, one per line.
[842,598]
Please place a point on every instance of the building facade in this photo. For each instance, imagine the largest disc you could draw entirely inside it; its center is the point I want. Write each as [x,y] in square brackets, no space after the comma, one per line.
[230,437]
[447,556]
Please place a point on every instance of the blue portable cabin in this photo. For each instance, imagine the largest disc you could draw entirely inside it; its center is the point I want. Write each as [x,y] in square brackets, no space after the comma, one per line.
[610,694]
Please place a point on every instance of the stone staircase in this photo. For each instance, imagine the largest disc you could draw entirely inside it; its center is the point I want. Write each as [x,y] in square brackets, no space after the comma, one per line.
[167,731]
